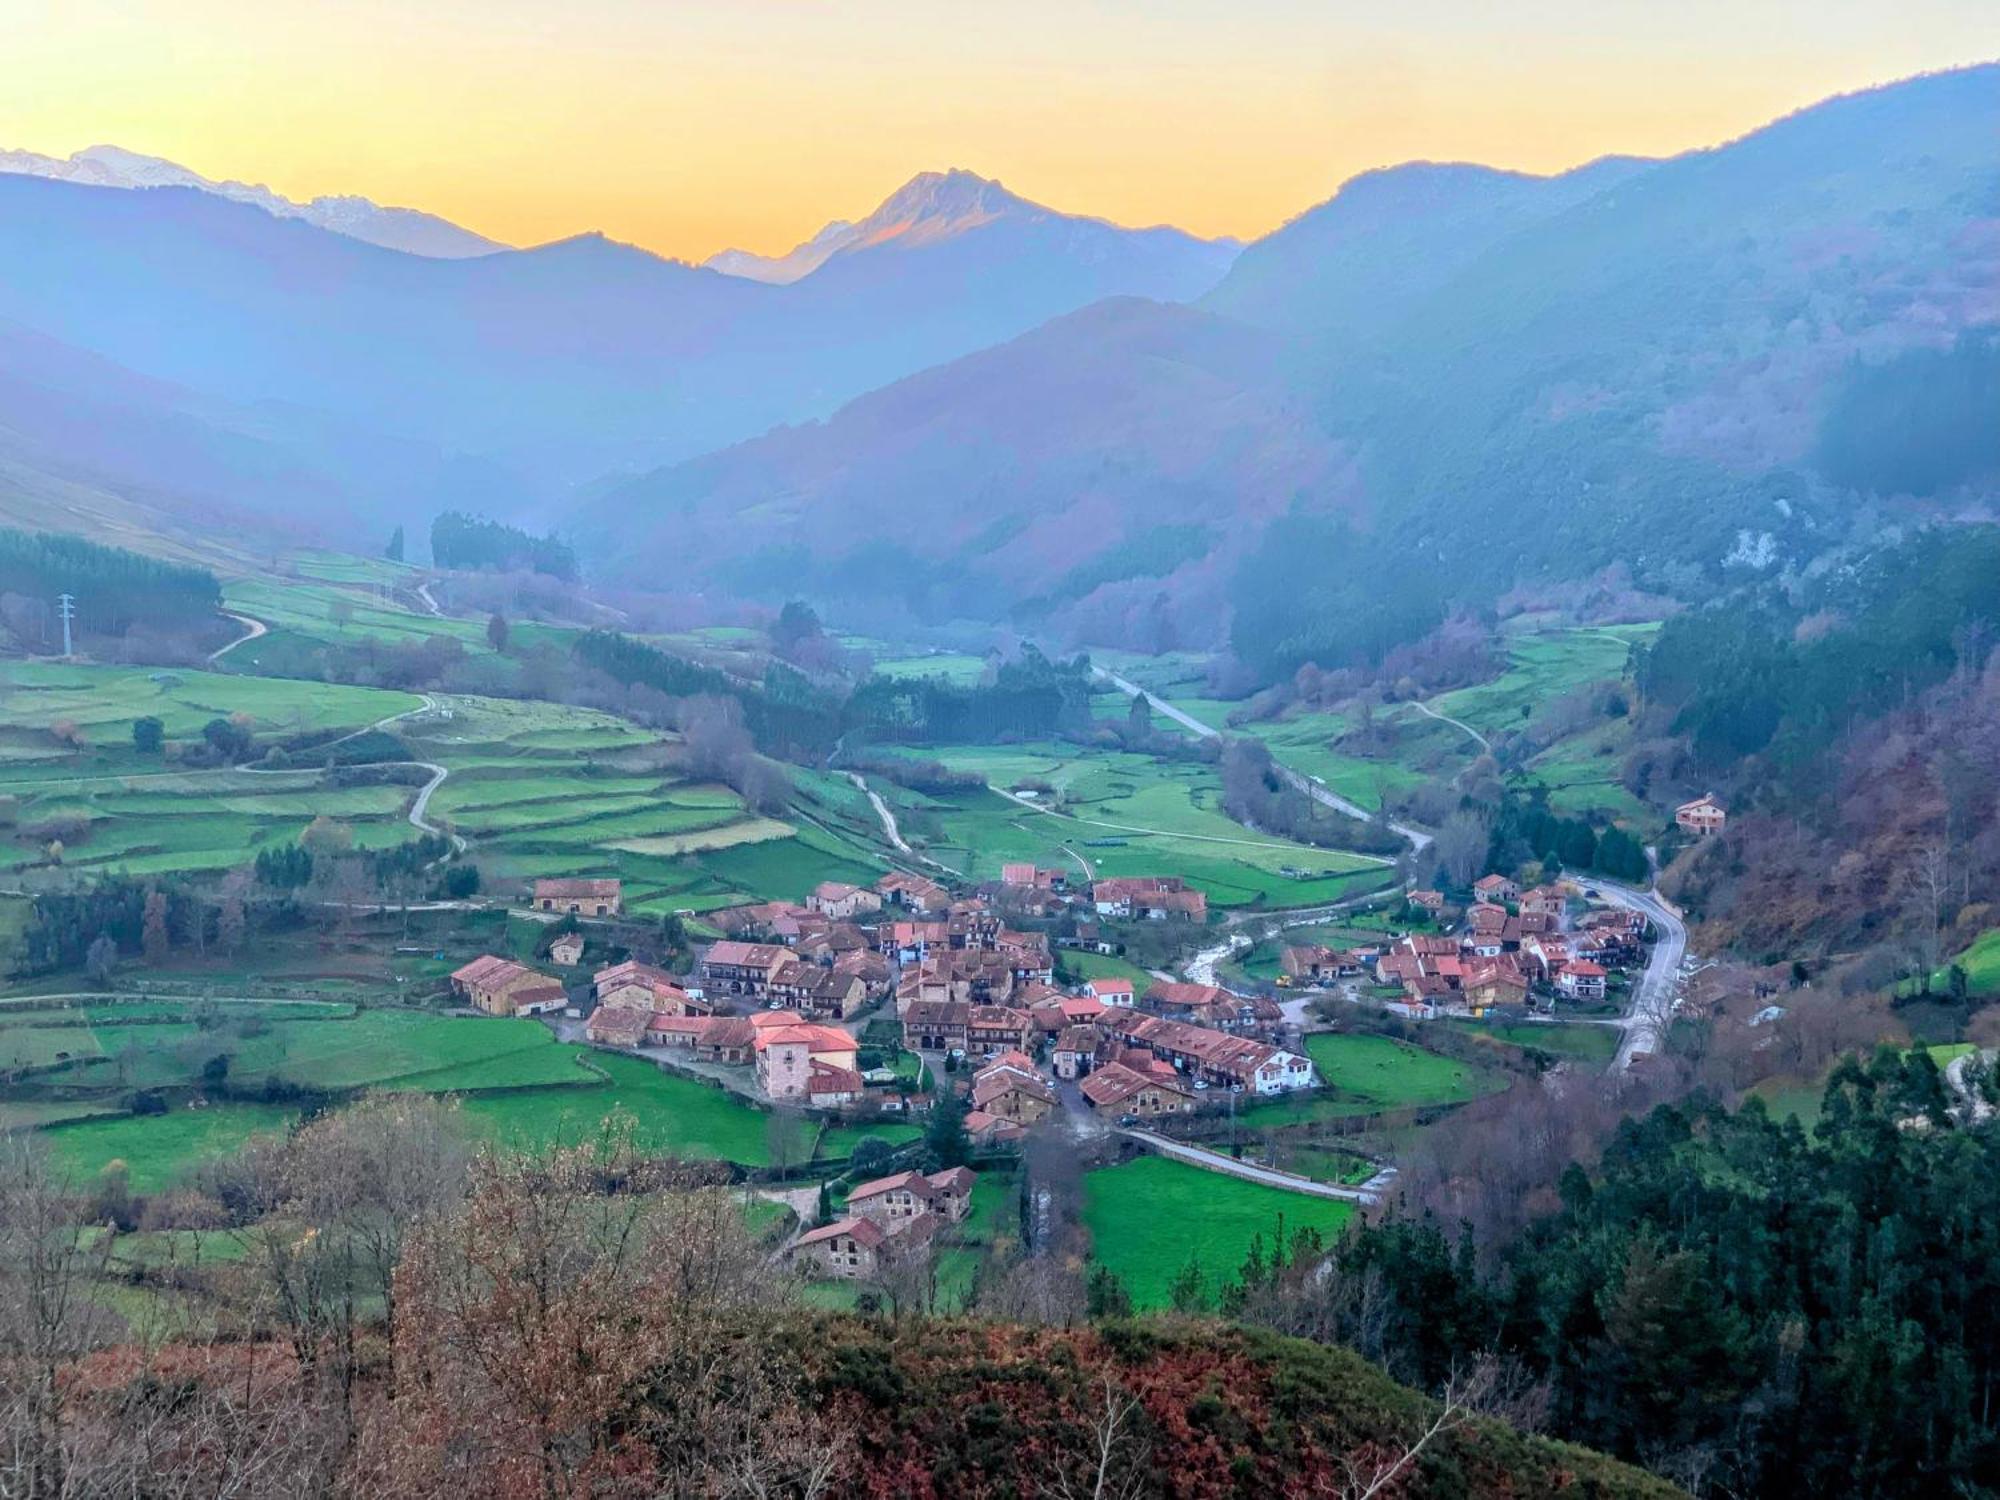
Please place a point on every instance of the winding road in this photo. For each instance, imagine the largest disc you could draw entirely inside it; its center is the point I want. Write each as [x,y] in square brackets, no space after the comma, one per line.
[252,626]
[1429,712]
[1653,994]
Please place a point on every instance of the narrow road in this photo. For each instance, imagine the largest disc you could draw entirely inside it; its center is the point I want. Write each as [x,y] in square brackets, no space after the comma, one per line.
[422,805]
[1313,788]
[889,828]
[1429,712]
[1291,1182]
[253,627]
[431,604]
[1645,1020]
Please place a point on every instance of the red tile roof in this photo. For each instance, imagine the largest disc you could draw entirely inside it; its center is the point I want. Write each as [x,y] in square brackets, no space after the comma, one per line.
[865,1232]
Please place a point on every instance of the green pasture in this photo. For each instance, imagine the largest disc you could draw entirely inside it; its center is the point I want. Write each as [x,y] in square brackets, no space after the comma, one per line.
[158,1149]
[1148,1217]
[1584,1044]
[1543,664]
[1119,814]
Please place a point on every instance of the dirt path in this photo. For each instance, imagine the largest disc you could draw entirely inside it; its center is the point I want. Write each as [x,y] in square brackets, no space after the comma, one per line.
[889,828]
[253,627]
[1429,712]
[1314,788]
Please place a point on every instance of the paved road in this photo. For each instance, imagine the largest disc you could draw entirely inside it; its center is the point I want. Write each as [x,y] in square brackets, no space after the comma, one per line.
[1429,712]
[1645,1020]
[253,627]
[431,604]
[1317,790]
[1291,1182]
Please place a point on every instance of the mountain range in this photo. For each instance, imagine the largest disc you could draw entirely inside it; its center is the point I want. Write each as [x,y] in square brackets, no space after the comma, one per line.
[404,229]
[1464,382]
[527,373]
[1444,383]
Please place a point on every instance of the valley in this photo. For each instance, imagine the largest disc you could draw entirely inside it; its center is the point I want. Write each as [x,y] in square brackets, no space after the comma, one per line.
[1003,854]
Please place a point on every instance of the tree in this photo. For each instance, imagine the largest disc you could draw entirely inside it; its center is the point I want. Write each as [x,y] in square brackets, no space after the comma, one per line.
[944,1133]
[102,958]
[154,942]
[496,631]
[394,551]
[50,1317]
[555,1338]
[228,738]
[1461,846]
[148,735]
[1105,1295]
[1188,1294]
[797,622]
[1112,1465]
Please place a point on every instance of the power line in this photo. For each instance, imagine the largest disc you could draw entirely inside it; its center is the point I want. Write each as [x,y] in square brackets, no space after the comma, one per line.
[66,607]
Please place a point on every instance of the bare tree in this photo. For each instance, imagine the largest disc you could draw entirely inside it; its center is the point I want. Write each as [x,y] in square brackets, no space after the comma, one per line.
[1461,846]
[49,1316]
[1373,1468]
[1113,1465]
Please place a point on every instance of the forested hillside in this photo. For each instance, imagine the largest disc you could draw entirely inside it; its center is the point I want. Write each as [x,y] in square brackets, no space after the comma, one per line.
[115,590]
[1746,1307]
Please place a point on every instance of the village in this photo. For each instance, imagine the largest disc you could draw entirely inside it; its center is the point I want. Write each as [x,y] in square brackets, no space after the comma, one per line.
[809,1006]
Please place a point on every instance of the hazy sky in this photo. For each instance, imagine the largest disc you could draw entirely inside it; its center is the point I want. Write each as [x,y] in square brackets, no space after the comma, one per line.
[689,126]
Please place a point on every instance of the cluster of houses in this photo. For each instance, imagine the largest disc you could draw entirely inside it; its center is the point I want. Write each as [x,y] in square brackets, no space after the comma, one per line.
[1510,944]
[884,1219]
[1150,898]
[775,992]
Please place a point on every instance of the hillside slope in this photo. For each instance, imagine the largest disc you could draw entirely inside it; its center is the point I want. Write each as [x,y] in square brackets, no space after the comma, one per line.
[1634,362]
[536,369]
[1085,462]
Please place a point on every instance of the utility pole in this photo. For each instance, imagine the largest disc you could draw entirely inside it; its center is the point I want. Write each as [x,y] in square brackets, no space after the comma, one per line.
[66,607]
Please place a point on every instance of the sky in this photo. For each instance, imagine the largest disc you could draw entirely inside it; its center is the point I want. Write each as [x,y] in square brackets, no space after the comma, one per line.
[687,127]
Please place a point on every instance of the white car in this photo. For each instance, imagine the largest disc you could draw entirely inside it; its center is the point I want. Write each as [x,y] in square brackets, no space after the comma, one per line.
[1200,1084]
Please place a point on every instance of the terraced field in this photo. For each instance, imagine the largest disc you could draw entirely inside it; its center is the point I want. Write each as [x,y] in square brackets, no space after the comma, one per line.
[538,788]
[542,789]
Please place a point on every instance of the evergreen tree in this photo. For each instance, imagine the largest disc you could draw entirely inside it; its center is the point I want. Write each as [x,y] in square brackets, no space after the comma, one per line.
[1188,1293]
[1105,1295]
[394,551]
[944,1133]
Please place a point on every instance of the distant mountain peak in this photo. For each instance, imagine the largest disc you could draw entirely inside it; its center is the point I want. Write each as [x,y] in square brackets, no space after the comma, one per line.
[405,229]
[930,209]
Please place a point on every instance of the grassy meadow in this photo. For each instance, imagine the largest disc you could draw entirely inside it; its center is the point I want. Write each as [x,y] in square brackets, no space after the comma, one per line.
[1149,1216]
[1112,813]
